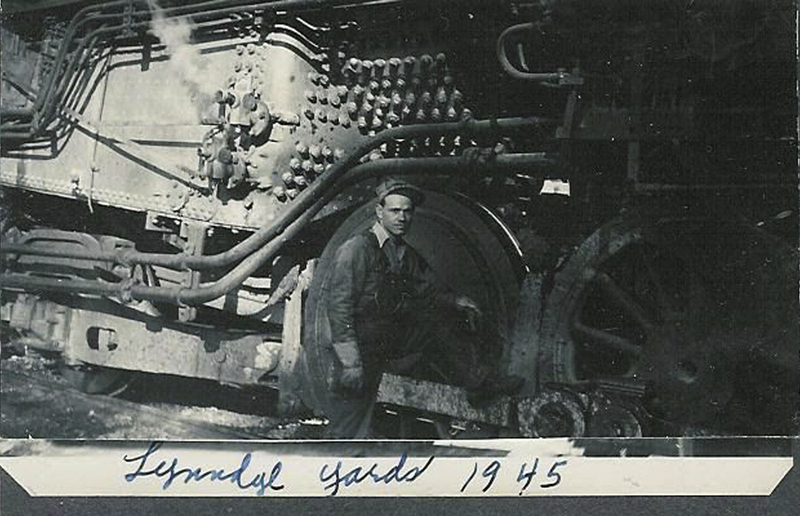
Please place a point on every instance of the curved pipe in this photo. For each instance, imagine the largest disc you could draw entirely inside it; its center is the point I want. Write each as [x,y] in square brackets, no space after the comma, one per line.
[47,102]
[400,166]
[51,96]
[512,70]
[446,166]
[76,22]
[299,206]
[208,292]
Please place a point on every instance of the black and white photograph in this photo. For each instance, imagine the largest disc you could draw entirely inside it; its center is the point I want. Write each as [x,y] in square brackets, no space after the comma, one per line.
[398,220]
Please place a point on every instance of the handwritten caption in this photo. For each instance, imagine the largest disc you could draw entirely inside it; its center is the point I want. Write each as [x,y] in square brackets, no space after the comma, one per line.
[472,476]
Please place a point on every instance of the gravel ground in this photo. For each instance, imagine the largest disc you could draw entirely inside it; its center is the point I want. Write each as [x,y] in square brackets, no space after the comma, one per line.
[38,402]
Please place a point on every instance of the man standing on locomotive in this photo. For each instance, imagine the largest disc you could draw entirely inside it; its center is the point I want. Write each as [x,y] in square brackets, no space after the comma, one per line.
[386,313]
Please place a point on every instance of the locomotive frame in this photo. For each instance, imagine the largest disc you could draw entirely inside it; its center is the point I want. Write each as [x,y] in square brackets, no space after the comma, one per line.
[175,176]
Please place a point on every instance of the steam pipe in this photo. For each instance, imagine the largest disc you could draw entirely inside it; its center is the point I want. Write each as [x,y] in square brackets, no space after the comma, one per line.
[400,166]
[511,70]
[46,102]
[20,112]
[84,63]
[444,166]
[208,292]
[167,12]
[309,203]
[68,36]
[176,295]
[299,206]
[78,21]
[16,136]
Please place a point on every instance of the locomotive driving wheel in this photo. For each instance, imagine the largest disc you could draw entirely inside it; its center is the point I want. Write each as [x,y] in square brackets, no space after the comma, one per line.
[699,315]
[468,253]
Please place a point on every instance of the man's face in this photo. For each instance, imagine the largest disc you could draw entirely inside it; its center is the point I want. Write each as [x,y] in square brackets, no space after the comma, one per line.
[395,214]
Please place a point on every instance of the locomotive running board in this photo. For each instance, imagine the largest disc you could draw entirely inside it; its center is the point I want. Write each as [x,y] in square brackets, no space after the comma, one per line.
[441,399]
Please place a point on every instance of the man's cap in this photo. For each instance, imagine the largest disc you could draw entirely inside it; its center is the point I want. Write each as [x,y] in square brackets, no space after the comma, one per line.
[393,185]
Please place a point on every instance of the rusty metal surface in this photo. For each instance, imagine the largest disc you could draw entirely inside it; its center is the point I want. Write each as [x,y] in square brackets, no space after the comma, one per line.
[170,351]
[127,339]
[696,310]
[437,398]
[551,413]
[290,373]
[522,354]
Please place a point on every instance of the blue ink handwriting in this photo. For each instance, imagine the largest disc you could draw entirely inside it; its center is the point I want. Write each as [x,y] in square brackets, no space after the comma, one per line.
[358,474]
[489,472]
[552,473]
[170,471]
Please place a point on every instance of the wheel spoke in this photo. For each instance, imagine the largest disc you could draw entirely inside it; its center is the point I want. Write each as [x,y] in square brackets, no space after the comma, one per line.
[607,339]
[624,300]
[662,299]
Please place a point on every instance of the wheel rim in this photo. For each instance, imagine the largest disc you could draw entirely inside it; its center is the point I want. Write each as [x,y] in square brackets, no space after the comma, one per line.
[679,307]
[458,245]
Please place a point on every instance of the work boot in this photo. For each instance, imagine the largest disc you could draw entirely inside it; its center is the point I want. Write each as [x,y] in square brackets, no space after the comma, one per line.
[494,386]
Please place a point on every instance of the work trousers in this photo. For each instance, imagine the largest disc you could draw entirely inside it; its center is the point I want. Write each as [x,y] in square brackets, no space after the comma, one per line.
[435,342]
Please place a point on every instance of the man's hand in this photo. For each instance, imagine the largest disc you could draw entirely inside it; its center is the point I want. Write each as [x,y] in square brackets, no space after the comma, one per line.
[471,309]
[352,378]
[352,374]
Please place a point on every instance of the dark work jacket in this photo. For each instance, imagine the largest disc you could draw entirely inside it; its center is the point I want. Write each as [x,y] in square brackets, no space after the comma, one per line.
[369,301]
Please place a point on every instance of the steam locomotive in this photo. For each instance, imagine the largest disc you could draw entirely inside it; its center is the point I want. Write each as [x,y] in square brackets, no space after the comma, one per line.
[614,182]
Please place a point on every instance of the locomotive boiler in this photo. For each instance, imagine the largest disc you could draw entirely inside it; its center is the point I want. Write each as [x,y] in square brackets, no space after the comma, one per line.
[614,183]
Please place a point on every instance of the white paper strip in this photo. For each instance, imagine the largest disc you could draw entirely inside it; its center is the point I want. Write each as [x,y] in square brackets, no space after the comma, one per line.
[180,470]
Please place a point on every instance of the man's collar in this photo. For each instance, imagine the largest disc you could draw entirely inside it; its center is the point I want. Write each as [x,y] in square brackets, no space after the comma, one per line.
[380,233]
